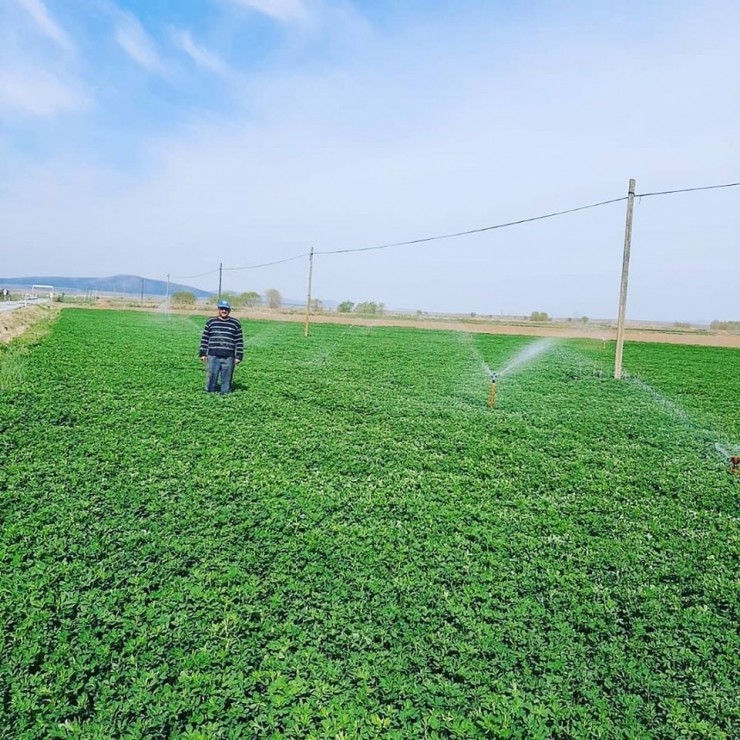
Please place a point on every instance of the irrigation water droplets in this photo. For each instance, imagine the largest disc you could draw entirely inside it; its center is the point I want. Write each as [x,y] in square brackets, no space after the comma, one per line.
[526,355]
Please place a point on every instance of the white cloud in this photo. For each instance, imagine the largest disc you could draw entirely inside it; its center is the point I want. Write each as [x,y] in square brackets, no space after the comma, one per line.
[39,12]
[281,10]
[438,129]
[133,39]
[199,54]
[34,92]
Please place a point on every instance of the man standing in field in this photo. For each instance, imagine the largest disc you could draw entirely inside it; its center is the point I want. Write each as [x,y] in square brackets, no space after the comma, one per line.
[221,348]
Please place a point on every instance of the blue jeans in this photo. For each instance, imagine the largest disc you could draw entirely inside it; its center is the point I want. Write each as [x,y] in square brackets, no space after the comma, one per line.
[223,366]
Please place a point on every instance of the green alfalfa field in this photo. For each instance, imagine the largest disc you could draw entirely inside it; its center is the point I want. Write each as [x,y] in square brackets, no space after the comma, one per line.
[353,545]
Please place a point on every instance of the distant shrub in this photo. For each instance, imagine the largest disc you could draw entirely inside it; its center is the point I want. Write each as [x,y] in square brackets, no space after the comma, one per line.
[183,299]
[370,308]
[733,326]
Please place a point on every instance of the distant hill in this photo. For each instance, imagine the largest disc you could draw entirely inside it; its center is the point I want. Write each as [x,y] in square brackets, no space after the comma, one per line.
[129,284]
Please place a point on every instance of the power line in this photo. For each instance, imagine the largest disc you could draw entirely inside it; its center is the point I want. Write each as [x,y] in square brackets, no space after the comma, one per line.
[267,264]
[190,277]
[475,231]
[460,233]
[687,190]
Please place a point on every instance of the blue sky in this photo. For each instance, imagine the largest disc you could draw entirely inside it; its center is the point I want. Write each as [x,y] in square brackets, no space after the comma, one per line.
[154,138]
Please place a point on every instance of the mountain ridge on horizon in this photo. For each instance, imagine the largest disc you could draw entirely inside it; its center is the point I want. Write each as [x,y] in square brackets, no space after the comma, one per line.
[120,284]
[132,284]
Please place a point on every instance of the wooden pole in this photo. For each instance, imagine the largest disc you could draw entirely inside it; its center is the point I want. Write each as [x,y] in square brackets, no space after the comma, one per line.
[625,277]
[142,292]
[220,276]
[308,298]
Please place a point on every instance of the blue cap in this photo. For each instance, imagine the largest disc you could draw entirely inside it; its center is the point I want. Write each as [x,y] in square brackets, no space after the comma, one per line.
[224,304]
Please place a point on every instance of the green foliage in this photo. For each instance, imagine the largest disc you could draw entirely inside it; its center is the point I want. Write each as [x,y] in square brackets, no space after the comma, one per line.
[226,295]
[183,299]
[345,307]
[353,546]
[370,308]
[250,299]
[539,316]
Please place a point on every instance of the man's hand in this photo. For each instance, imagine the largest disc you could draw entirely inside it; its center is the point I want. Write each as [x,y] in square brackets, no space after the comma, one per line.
[203,359]
[236,362]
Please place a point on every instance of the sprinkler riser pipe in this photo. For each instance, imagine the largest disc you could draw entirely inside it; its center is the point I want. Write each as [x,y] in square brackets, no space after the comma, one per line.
[492,396]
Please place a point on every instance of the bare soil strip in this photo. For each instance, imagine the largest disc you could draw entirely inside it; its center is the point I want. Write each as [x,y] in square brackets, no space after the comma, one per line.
[14,323]
[560,330]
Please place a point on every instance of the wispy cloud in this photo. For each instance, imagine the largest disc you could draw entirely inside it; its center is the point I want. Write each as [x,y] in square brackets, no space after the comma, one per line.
[199,54]
[281,10]
[36,93]
[134,40]
[46,23]
[351,134]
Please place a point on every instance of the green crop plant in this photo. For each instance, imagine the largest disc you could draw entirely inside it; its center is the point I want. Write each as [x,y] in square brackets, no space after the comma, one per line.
[352,545]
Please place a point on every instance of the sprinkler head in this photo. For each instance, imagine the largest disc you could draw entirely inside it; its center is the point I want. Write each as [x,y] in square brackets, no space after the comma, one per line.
[493,377]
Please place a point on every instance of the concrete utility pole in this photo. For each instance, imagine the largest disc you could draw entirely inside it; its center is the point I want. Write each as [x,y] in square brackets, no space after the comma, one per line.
[625,277]
[308,299]
[220,276]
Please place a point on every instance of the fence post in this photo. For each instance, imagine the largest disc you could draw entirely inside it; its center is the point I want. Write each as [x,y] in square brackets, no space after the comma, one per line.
[625,277]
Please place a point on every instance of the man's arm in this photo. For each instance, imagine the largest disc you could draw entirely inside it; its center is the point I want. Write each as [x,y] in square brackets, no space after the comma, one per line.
[204,341]
[239,345]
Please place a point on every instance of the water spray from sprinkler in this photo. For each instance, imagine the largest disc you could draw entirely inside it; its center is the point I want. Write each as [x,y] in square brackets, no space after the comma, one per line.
[732,456]
[492,397]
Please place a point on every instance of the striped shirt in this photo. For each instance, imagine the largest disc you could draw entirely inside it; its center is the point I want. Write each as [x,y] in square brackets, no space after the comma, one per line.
[222,338]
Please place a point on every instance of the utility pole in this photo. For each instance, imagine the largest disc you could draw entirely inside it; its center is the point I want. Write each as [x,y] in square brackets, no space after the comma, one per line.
[167,295]
[142,292]
[308,299]
[220,276]
[625,277]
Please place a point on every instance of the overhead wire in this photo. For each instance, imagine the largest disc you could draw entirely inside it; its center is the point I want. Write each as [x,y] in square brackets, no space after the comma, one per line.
[474,231]
[190,277]
[268,264]
[687,190]
[459,233]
